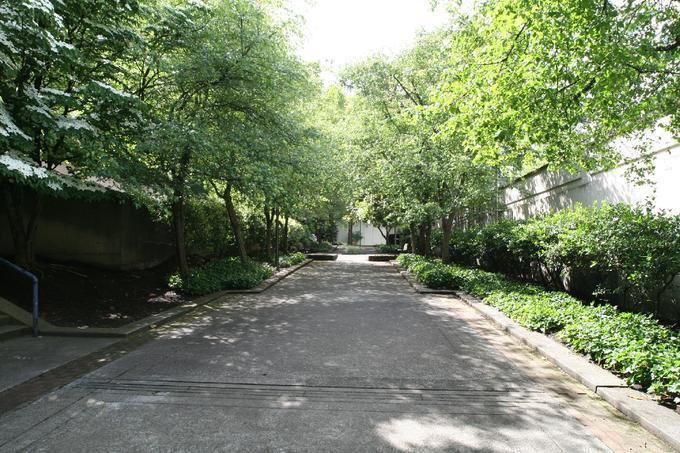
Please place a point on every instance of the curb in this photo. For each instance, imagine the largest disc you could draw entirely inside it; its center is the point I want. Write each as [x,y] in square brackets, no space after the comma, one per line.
[322,256]
[640,407]
[48,329]
[420,289]
[382,257]
[60,375]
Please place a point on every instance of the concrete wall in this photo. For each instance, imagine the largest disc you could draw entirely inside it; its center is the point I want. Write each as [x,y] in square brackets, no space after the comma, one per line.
[544,191]
[105,233]
[370,234]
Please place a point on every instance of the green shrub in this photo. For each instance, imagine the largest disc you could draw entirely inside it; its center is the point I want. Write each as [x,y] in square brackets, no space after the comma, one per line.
[630,252]
[543,311]
[633,345]
[407,259]
[298,234]
[463,246]
[388,248]
[493,245]
[207,230]
[292,259]
[435,274]
[226,273]
[321,247]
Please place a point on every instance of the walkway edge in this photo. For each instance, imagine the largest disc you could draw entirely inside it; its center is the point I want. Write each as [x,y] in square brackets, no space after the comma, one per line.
[640,407]
[48,329]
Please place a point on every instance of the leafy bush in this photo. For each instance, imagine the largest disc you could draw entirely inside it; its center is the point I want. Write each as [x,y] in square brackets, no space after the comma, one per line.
[292,259]
[207,229]
[438,276]
[226,273]
[631,253]
[298,234]
[634,345]
[431,273]
[493,245]
[321,247]
[463,246]
[405,260]
[388,248]
[534,309]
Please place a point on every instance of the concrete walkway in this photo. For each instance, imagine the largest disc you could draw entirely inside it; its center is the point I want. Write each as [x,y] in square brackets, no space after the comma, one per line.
[26,357]
[341,356]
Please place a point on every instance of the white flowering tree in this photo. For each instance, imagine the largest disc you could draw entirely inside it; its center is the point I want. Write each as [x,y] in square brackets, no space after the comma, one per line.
[61,119]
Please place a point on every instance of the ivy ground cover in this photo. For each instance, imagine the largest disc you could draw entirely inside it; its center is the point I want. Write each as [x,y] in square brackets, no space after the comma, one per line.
[635,346]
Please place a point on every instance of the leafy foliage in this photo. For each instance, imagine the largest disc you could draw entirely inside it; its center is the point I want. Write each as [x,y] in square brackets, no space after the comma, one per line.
[632,252]
[551,81]
[226,273]
[292,259]
[320,247]
[634,345]
[435,274]
[388,248]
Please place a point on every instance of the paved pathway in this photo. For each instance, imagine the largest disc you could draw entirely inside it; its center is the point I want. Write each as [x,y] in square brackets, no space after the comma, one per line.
[26,357]
[341,356]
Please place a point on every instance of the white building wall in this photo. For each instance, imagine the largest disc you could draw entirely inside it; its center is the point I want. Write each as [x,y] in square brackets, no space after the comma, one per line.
[370,234]
[543,191]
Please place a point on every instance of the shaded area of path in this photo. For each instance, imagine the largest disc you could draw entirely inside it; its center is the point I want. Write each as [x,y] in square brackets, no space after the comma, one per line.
[340,356]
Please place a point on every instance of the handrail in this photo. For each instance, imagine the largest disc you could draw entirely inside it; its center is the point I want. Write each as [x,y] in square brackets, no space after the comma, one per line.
[34,281]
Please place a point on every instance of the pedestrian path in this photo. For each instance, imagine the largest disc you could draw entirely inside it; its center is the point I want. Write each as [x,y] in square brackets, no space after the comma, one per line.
[340,356]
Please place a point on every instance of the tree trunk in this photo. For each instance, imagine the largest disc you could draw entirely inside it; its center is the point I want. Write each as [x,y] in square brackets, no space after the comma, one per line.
[422,239]
[384,235]
[235,225]
[285,234]
[178,211]
[178,214]
[276,235]
[428,239]
[350,225]
[268,215]
[414,239]
[447,226]
[23,233]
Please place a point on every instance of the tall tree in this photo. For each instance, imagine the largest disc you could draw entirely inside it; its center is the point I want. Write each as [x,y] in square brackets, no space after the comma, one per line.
[58,108]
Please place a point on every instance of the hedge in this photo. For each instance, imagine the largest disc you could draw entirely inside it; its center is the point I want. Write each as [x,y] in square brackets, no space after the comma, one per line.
[292,259]
[226,273]
[633,345]
[630,254]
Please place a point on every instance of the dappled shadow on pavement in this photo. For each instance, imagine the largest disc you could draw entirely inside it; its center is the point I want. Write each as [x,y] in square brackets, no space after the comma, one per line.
[340,356]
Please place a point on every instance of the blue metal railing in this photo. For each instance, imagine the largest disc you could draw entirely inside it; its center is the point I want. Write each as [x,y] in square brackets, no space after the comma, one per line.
[34,281]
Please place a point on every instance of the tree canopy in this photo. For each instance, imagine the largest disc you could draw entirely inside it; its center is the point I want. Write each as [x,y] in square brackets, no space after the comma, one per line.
[172,102]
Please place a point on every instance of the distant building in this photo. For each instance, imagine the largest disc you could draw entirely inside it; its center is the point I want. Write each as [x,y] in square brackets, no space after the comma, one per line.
[369,234]
[544,191]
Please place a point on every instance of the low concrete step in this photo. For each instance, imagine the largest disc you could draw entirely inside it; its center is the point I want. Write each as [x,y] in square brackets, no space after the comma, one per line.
[11,331]
[382,257]
[323,256]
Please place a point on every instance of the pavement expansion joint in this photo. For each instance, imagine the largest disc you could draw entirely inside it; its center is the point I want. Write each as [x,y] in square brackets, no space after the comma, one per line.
[310,394]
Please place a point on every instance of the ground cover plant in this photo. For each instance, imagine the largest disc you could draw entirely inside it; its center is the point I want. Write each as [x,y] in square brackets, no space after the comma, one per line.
[634,345]
[389,248]
[226,273]
[320,247]
[73,295]
[629,254]
[292,259]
